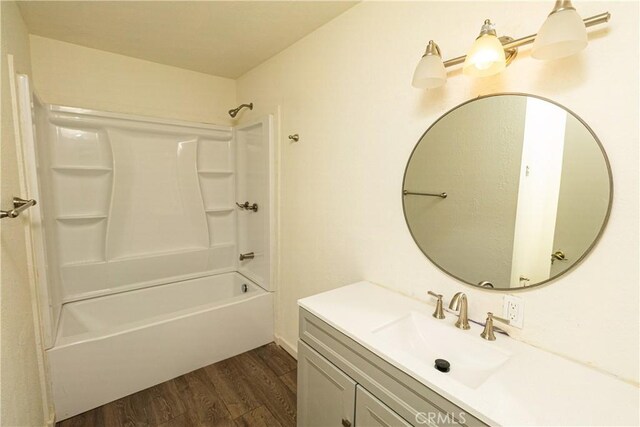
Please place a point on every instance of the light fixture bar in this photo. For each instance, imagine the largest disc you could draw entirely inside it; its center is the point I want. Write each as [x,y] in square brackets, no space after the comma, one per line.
[588,22]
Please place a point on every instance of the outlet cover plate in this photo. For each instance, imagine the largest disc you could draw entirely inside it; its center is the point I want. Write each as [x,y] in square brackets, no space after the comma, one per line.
[513,310]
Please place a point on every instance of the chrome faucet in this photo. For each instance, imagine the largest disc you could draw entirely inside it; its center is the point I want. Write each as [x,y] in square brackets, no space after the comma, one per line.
[459,302]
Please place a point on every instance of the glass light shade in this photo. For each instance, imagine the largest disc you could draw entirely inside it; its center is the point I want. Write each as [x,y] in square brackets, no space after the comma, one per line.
[430,73]
[562,34]
[486,57]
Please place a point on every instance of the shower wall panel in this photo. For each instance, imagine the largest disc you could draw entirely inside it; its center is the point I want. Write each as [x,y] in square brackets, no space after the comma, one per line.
[255,184]
[143,219]
[134,201]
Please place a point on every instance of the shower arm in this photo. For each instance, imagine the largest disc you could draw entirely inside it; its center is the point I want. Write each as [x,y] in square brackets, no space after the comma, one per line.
[234,111]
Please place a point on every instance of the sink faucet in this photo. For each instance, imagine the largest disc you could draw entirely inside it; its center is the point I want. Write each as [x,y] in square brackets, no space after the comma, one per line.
[459,302]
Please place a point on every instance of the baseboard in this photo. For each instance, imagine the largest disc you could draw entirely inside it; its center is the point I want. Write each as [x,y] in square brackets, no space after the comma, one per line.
[287,346]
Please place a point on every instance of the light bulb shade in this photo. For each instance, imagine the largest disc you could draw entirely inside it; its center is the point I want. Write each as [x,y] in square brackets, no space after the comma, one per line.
[562,34]
[485,58]
[430,73]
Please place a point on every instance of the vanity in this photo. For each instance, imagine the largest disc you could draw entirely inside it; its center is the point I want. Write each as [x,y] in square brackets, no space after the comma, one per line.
[504,192]
[366,358]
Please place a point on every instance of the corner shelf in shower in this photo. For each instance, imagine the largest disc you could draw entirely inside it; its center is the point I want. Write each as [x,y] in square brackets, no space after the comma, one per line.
[82,217]
[219,210]
[81,221]
[215,172]
[83,263]
[87,169]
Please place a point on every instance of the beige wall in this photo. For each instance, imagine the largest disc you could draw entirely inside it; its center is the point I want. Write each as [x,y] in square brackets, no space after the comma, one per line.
[78,76]
[21,385]
[346,90]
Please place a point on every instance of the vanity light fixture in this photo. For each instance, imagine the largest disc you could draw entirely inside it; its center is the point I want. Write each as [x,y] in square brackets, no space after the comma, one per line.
[486,57]
[430,72]
[562,34]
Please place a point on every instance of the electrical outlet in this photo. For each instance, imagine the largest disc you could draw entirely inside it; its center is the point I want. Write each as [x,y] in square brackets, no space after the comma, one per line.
[513,310]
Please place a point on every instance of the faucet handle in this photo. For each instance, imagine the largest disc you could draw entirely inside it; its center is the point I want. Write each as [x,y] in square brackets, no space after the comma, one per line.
[499,319]
[439,312]
[487,333]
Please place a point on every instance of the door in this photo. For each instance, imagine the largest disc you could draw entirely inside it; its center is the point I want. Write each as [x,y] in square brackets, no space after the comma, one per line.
[326,396]
[541,169]
[370,412]
[22,356]
[255,194]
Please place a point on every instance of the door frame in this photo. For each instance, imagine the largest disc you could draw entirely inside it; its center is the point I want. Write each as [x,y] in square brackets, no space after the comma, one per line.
[19,89]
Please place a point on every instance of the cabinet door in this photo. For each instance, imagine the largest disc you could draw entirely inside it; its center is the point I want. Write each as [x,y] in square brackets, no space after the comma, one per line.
[370,412]
[326,396]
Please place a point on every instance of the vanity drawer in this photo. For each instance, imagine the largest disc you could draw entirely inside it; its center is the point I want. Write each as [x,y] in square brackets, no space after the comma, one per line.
[405,395]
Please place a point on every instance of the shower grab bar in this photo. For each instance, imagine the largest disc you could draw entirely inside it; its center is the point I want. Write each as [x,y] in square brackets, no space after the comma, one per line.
[411,193]
[19,205]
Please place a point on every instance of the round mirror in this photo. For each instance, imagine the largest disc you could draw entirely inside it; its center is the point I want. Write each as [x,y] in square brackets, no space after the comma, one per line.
[507,191]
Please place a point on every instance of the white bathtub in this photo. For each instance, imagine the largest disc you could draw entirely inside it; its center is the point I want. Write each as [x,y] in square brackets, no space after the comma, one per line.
[112,346]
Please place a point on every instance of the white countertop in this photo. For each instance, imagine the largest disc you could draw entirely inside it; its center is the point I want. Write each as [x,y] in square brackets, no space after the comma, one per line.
[533,387]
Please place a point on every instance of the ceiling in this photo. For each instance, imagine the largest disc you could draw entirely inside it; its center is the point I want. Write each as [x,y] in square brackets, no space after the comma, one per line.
[223,38]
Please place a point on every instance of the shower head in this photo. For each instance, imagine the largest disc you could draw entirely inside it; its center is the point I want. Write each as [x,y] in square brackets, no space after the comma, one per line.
[234,112]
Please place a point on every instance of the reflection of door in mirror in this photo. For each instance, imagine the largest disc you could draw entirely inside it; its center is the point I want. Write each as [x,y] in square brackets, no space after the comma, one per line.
[540,171]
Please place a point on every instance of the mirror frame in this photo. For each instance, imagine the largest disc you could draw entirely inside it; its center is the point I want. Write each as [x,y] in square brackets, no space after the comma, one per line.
[584,254]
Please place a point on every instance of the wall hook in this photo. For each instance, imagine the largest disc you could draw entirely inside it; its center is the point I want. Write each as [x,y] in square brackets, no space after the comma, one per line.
[295,137]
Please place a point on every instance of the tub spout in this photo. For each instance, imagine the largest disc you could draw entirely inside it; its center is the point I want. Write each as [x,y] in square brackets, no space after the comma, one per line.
[248,255]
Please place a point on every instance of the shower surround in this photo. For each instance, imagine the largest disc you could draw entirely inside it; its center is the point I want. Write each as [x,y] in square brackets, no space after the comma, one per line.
[138,237]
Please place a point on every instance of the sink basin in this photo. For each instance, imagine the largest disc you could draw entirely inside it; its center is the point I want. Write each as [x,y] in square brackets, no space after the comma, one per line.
[423,339]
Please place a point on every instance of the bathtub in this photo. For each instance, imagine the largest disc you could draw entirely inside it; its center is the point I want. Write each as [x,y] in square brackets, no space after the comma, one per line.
[112,346]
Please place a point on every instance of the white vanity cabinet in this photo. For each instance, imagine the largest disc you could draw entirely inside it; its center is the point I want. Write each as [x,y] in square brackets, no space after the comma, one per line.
[341,383]
[384,345]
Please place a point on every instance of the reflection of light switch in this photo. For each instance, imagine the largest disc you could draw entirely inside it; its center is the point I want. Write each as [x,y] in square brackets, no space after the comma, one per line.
[513,310]
[527,171]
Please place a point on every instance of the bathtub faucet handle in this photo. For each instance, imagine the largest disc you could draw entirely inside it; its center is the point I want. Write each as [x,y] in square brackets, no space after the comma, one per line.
[248,255]
[246,206]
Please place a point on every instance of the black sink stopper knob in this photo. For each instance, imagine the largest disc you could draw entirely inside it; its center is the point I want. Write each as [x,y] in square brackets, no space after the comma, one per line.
[442,365]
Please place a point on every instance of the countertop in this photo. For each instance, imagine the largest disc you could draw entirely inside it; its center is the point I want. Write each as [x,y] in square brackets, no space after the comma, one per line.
[533,387]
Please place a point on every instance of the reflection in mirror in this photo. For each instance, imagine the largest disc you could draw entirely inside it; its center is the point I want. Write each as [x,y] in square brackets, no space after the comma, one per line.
[528,191]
